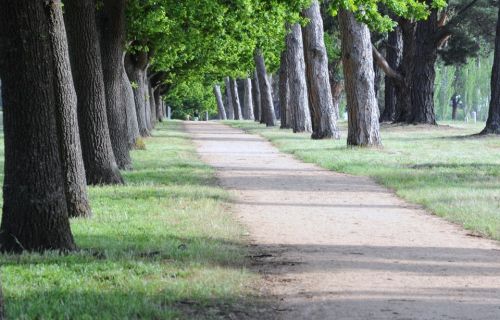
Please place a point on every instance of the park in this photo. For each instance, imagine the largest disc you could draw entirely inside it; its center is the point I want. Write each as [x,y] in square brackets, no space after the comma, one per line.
[263,159]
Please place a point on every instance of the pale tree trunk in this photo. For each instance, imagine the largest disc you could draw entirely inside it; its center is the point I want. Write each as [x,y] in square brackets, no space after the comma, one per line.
[275,93]
[135,66]
[236,99]
[266,100]
[359,77]
[220,103]
[130,110]
[284,92]
[493,122]
[248,111]
[394,56]
[229,99]
[256,97]
[324,121]
[298,100]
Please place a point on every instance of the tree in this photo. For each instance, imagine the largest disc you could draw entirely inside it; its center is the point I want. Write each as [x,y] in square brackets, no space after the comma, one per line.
[493,122]
[236,99]
[112,34]
[359,77]
[266,100]
[298,100]
[136,65]
[256,97]
[248,110]
[229,100]
[284,92]
[35,214]
[99,160]
[220,104]
[324,122]
[394,55]
[130,109]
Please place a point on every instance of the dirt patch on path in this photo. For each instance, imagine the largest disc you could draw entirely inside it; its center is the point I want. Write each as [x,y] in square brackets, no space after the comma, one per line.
[335,246]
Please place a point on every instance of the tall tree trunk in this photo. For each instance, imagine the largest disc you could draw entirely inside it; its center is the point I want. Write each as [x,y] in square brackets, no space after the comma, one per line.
[135,66]
[248,111]
[493,122]
[324,121]
[394,55]
[275,93]
[403,87]
[98,157]
[152,106]
[112,28]
[298,100]
[220,104]
[358,70]
[284,92]
[229,100]
[35,215]
[75,184]
[133,132]
[240,85]
[256,97]
[266,99]
[159,109]
[236,100]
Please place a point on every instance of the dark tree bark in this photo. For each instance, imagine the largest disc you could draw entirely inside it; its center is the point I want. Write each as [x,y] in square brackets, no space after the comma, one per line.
[75,184]
[236,99]
[493,122]
[298,100]
[220,104]
[324,121]
[240,85]
[112,29]
[229,100]
[158,105]
[136,65]
[394,55]
[359,77]
[248,110]
[266,100]
[98,157]
[152,106]
[35,215]
[284,92]
[256,97]
[131,112]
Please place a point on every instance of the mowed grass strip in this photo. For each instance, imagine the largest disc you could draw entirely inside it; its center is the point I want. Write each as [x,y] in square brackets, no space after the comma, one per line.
[162,247]
[447,170]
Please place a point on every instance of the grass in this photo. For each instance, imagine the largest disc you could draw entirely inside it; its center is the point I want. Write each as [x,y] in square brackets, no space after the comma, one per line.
[162,247]
[445,169]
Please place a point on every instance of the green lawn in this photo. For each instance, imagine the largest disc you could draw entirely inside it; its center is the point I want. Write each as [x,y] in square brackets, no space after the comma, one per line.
[445,169]
[162,247]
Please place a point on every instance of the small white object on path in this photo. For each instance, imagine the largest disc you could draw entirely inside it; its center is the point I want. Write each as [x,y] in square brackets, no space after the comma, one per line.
[337,246]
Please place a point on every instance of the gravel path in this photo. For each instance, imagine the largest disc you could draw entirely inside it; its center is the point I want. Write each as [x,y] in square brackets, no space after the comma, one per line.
[335,246]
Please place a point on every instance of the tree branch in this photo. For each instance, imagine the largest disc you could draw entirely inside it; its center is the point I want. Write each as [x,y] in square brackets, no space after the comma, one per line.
[384,65]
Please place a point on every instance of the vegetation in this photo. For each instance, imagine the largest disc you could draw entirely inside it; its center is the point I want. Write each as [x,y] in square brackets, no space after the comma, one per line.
[445,169]
[163,246]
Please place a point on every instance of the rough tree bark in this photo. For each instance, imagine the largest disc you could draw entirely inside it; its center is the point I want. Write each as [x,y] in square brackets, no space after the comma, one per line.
[135,65]
[236,99]
[159,108]
[359,76]
[266,100]
[229,100]
[256,97]
[130,111]
[220,103]
[324,121]
[35,215]
[112,29]
[493,122]
[98,157]
[248,110]
[152,106]
[299,101]
[75,184]
[240,85]
[284,92]
[394,54]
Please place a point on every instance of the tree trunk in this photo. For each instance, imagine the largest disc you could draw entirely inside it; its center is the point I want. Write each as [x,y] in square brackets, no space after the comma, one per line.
[112,28]
[135,65]
[256,97]
[324,121]
[454,107]
[133,132]
[159,108]
[403,87]
[240,85]
[152,106]
[284,92]
[298,100]
[220,104]
[275,93]
[236,99]
[229,100]
[98,157]
[394,55]
[266,99]
[35,215]
[493,122]
[248,111]
[358,70]
[75,184]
